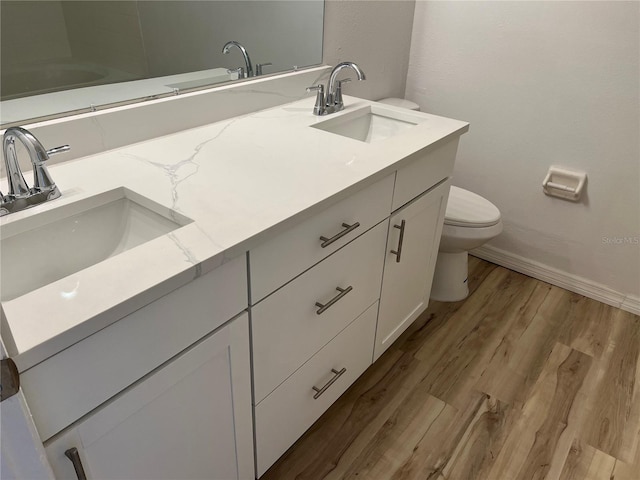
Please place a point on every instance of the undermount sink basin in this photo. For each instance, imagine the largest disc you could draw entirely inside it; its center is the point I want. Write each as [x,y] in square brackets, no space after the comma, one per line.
[370,124]
[51,245]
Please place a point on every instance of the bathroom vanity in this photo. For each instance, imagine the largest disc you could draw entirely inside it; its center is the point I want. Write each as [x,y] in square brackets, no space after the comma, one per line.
[298,248]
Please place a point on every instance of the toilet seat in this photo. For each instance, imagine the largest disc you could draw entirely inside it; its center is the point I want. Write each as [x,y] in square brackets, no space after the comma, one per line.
[467,209]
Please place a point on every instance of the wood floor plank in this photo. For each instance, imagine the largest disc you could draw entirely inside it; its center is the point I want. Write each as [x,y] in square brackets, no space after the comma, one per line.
[500,377]
[625,471]
[389,449]
[429,458]
[614,422]
[535,344]
[481,443]
[601,467]
[548,418]
[549,317]
[578,461]
[457,361]
[587,463]
[587,325]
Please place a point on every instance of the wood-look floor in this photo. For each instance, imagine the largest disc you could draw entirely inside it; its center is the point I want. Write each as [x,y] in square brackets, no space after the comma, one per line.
[522,380]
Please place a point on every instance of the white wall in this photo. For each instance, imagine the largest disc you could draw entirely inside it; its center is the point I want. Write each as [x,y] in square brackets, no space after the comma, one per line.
[543,83]
[376,35]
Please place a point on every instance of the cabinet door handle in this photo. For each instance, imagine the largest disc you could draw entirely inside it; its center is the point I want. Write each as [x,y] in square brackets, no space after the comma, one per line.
[398,252]
[73,455]
[347,229]
[342,292]
[336,374]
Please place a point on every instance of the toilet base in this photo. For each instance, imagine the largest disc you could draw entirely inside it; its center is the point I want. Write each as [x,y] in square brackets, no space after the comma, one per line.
[450,278]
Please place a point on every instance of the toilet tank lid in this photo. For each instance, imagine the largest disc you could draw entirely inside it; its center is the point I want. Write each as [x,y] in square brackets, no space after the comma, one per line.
[467,209]
[400,102]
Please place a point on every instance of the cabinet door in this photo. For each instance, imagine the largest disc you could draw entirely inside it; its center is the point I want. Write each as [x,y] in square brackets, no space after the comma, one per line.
[412,250]
[189,419]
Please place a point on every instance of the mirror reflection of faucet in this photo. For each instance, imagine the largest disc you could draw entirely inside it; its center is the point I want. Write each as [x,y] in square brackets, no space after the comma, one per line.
[20,196]
[333,102]
[259,67]
[247,70]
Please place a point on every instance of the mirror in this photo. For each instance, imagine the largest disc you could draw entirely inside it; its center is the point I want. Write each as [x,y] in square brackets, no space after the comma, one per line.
[60,57]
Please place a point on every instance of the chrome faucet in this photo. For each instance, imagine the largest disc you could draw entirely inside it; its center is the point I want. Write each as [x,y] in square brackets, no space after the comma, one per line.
[248,72]
[333,102]
[20,196]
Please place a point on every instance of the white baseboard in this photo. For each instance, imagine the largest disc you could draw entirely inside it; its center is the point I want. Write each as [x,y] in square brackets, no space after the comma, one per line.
[573,283]
[631,304]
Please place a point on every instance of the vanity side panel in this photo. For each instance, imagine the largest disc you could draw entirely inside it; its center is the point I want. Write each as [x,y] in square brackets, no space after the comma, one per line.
[72,383]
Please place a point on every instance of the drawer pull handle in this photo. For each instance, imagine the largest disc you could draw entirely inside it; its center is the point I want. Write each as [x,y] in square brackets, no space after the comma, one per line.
[398,252]
[336,375]
[342,292]
[73,455]
[347,229]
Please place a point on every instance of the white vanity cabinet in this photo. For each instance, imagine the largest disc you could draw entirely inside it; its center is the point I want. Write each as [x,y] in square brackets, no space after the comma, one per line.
[289,326]
[191,419]
[313,337]
[302,362]
[217,378]
[412,251]
[419,205]
[164,392]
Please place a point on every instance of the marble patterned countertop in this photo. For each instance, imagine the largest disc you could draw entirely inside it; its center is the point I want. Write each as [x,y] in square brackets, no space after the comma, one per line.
[242,181]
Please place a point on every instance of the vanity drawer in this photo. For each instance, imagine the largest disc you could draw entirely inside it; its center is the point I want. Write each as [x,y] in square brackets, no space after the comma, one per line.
[279,260]
[424,172]
[283,416]
[75,381]
[287,328]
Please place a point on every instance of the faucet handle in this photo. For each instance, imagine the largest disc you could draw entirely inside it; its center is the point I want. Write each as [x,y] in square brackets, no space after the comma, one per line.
[319,108]
[57,150]
[337,101]
[239,71]
[42,180]
[259,67]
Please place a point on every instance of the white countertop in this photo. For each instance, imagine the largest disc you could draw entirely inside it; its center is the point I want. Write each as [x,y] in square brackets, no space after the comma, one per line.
[241,180]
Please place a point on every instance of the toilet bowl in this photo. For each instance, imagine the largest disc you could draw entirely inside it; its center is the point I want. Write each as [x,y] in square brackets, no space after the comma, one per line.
[470,221]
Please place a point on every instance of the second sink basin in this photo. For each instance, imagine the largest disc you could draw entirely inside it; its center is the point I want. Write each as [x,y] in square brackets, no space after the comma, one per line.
[51,245]
[370,124]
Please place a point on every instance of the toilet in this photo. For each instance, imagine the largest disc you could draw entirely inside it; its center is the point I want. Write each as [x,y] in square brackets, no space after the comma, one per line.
[470,221]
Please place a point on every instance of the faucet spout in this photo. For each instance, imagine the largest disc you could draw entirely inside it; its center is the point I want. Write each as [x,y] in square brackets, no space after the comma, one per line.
[17,186]
[247,61]
[20,196]
[333,83]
